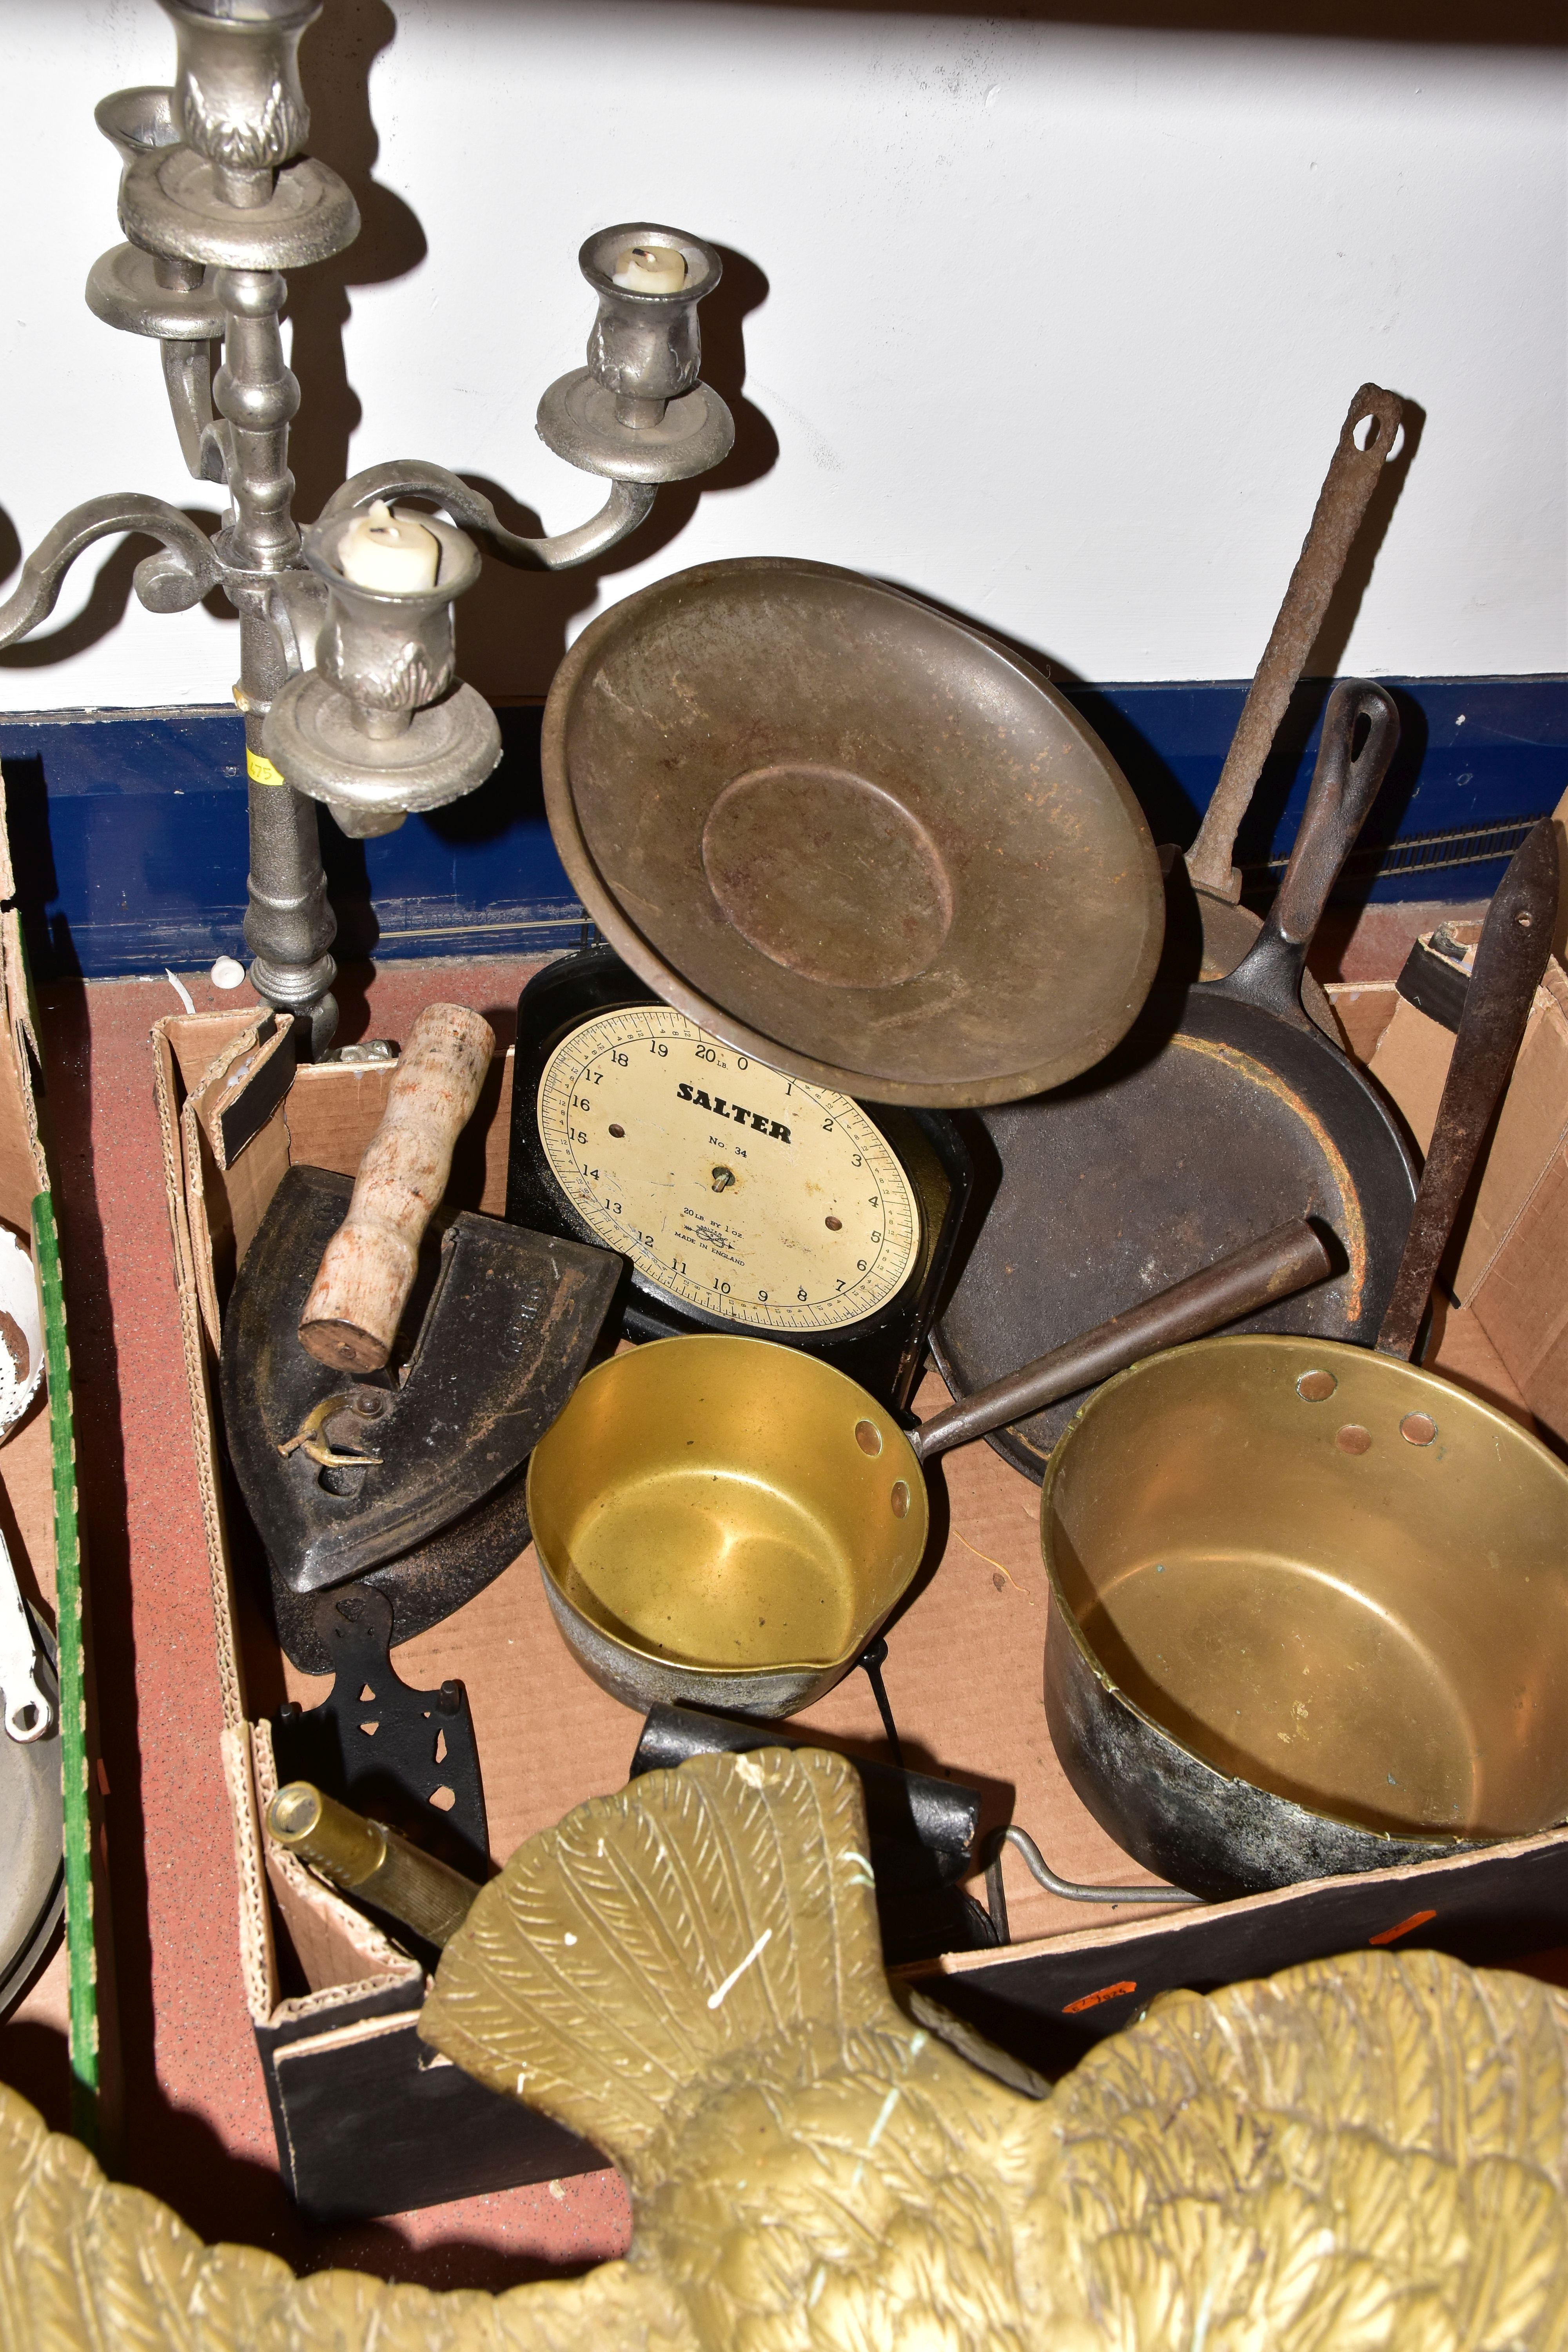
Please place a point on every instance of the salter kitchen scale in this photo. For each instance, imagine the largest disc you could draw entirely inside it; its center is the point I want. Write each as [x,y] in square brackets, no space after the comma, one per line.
[744,1199]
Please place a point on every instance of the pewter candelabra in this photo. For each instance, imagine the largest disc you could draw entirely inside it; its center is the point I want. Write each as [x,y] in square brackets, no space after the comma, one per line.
[347,692]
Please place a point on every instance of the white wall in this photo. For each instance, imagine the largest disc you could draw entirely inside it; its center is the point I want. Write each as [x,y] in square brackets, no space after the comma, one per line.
[1060,327]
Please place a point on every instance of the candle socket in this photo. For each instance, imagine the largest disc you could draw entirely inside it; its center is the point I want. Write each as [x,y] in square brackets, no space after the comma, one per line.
[377,727]
[638,411]
[238,97]
[214,174]
[647,346]
[389,649]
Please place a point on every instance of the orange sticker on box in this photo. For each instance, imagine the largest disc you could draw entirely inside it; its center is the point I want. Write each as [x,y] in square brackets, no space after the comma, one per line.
[1105,1992]
[1392,1934]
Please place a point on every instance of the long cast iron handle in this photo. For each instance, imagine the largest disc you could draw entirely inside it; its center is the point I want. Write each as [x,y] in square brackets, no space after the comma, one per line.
[1343,501]
[1284,1261]
[1345,783]
[1515,942]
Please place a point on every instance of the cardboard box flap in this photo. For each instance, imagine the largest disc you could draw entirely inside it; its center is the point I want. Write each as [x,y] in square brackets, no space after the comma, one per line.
[235,1140]
[239,1096]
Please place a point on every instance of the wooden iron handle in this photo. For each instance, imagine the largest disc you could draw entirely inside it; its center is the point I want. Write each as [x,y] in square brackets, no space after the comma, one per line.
[367,1268]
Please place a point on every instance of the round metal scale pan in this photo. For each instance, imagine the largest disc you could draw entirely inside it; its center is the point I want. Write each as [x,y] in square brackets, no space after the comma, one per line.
[850,837]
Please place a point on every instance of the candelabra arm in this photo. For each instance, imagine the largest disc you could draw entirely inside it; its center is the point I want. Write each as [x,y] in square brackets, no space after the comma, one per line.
[628,504]
[178,576]
[187,380]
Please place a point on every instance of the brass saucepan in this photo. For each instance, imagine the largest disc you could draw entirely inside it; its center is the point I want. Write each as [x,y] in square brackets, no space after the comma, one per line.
[725,1522]
[1310,1604]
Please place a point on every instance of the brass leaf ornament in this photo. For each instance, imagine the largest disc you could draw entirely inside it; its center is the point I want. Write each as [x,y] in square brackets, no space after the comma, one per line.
[1359,2154]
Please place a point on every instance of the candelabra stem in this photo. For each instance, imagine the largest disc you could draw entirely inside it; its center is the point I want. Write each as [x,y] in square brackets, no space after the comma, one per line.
[258,395]
[290,926]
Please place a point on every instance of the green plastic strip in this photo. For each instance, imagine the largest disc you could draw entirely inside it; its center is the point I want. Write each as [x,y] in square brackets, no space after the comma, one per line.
[80,1957]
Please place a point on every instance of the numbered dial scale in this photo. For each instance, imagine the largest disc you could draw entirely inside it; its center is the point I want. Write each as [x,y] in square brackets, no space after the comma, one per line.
[742,1198]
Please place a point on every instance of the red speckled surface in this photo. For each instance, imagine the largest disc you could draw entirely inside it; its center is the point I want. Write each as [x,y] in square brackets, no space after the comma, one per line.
[197,2131]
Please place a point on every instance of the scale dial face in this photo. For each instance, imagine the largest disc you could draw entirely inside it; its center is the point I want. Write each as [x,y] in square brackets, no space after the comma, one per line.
[735,1190]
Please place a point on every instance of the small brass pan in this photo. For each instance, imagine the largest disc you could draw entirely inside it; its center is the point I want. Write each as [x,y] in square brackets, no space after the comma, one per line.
[725,1523]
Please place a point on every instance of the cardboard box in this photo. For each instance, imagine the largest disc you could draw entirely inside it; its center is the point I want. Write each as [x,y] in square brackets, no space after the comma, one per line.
[367,2120]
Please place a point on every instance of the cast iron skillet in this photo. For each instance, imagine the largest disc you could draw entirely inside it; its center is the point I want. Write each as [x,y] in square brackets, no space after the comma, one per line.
[1216,1119]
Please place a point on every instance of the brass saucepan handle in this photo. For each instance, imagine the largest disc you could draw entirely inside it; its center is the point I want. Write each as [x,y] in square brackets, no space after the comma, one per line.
[1288,1259]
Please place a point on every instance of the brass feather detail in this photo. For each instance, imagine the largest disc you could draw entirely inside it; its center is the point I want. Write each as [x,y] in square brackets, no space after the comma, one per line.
[1362,2154]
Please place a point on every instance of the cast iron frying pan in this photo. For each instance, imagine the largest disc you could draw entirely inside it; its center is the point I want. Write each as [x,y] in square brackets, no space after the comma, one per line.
[1208,1125]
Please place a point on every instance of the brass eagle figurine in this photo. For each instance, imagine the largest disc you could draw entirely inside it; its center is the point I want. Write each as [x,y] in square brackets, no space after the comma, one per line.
[1362,2153]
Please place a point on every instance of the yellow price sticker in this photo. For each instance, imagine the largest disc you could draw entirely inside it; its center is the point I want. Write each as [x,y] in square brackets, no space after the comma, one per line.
[260,771]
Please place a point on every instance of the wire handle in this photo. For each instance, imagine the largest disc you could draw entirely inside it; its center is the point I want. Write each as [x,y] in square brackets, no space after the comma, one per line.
[1040,1868]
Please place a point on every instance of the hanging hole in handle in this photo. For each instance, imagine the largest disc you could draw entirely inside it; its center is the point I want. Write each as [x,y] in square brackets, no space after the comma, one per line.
[1366,429]
[1360,732]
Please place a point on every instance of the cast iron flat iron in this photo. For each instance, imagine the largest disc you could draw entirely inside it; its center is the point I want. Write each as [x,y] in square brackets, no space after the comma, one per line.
[341,1474]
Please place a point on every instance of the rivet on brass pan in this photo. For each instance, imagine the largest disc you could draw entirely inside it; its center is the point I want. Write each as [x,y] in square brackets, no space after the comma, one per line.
[1316,1388]
[868,1437]
[901,1499]
[1352,1438]
[1419,1429]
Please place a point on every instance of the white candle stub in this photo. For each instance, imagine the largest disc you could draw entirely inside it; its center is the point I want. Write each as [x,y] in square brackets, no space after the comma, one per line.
[382,549]
[650,269]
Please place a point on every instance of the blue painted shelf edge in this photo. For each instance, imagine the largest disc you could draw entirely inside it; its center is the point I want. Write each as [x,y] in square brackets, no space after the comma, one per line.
[128,827]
